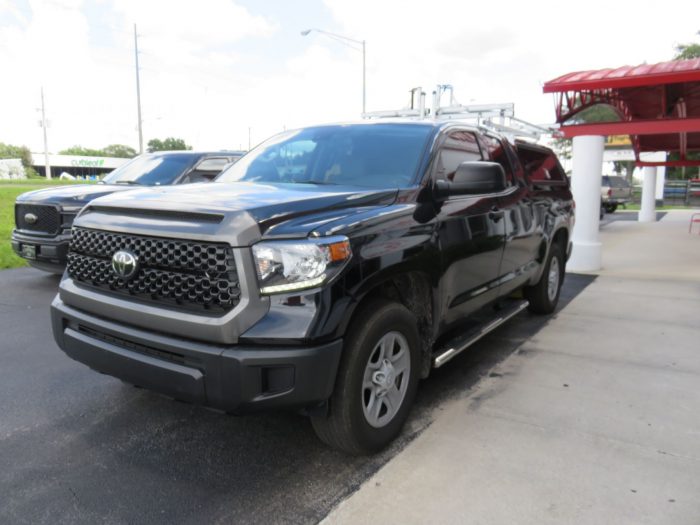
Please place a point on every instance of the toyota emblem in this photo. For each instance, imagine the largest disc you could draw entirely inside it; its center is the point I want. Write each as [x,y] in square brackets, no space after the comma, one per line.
[124,264]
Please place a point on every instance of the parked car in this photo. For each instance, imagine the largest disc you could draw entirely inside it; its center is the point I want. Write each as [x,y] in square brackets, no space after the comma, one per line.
[328,271]
[43,218]
[615,191]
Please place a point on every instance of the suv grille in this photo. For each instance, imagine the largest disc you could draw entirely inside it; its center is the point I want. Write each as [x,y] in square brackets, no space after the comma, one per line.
[190,275]
[48,219]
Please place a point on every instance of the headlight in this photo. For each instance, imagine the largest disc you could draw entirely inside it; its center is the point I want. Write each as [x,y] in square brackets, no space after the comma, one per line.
[286,266]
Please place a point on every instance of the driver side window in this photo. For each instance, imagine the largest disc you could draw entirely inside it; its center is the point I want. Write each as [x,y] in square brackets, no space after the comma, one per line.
[459,146]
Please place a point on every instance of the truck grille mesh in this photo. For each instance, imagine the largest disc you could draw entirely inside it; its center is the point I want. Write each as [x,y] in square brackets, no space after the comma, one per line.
[48,219]
[189,275]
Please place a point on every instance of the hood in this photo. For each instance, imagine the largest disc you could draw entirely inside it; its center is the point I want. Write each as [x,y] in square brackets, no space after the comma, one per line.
[269,205]
[72,195]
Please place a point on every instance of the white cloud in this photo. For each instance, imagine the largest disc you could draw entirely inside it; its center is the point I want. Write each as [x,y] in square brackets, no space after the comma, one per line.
[213,69]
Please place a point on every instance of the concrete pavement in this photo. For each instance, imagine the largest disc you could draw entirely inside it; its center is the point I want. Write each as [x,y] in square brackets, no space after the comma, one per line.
[595,419]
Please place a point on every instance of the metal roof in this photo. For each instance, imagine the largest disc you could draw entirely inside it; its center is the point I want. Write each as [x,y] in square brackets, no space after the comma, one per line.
[658,105]
[628,76]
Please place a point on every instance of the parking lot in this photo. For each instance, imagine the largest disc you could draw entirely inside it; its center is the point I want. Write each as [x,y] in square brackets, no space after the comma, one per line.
[79,447]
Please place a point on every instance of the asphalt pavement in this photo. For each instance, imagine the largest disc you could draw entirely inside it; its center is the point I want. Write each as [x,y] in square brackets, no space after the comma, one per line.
[80,447]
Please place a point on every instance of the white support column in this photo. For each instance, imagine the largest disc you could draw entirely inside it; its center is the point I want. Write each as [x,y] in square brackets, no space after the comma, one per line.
[585,185]
[647,213]
[660,181]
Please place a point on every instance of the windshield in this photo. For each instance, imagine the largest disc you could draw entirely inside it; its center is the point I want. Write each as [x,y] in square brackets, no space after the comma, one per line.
[378,156]
[150,170]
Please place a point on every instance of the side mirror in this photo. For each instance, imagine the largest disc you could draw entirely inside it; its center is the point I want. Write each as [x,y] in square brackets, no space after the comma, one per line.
[473,178]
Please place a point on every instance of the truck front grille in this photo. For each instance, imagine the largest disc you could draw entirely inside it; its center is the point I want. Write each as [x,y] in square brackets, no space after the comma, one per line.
[190,275]
[38,218]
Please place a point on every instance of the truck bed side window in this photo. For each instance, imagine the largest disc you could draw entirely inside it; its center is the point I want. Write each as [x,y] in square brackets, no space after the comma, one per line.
[541,166]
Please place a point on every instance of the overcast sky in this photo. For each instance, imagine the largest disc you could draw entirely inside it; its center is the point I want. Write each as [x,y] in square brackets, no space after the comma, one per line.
[212,69]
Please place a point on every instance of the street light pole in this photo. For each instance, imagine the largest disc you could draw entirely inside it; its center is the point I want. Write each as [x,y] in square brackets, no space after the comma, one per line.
[138,90]
[44,124]
[344,40]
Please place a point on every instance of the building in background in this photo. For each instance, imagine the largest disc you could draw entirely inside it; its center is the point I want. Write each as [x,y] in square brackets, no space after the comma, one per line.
[76,165]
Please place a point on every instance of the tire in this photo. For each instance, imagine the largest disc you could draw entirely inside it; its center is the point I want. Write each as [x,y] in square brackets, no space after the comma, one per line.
[610,208]
[544,295]
[360,420]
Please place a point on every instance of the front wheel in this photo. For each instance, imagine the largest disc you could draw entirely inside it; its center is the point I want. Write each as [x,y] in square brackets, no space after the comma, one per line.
[377,380]
[544,295]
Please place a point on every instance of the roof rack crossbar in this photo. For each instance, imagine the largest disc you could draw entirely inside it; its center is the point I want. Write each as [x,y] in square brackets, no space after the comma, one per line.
[484,114]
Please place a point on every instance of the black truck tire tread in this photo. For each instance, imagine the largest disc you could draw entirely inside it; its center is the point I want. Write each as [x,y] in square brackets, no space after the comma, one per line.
[344,428]
[537,293]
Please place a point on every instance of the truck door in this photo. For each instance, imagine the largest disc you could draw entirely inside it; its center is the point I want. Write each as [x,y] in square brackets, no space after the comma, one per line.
[470,233]
[522,223]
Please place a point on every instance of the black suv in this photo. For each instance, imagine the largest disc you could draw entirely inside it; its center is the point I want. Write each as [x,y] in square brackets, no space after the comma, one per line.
[43,218]
[328,270]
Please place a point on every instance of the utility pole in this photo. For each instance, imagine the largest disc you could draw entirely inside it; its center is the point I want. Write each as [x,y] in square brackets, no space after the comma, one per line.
[44,124]
[364,79]
[138,89]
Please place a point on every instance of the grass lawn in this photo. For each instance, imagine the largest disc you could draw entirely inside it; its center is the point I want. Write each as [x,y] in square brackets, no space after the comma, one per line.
[636,207]
[9,190]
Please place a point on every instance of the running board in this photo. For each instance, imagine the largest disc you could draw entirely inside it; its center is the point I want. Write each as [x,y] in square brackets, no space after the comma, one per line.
[464,341]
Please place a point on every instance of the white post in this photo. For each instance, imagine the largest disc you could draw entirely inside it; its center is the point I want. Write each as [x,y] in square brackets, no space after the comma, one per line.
[585,185]
[660,181]
[647,213]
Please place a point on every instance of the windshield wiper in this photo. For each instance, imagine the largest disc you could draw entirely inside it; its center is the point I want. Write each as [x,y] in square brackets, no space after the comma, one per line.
[316,182]
[131,182]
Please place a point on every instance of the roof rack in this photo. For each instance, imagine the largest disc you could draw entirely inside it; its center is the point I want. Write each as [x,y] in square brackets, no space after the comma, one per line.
[495,117]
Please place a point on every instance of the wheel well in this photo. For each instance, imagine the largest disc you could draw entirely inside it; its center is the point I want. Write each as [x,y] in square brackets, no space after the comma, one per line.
[562,237]
[413,290]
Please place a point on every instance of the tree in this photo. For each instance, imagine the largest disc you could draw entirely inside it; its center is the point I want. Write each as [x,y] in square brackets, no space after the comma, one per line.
[8,151]
[169,144]
[686,51]
[597,113]
[113,150]
[119,150]
[80,150]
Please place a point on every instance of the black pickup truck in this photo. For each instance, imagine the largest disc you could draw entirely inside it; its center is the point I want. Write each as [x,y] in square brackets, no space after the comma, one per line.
[328,270]
[43,218]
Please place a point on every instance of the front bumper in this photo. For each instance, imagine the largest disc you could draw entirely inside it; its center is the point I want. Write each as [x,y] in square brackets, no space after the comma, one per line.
[233,378]
[51,252]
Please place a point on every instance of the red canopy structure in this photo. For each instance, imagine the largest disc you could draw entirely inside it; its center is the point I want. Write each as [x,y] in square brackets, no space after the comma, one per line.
[658,106]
